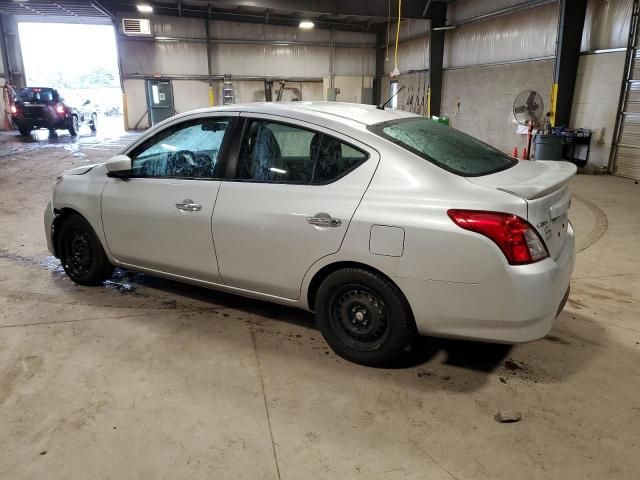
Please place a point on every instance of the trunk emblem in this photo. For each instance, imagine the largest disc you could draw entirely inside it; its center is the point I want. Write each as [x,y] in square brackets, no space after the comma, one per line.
[546,228]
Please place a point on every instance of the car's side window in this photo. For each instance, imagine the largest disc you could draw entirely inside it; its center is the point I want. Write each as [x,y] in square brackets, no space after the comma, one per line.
[334,159]
[280,153]
[186,150]
[275,152]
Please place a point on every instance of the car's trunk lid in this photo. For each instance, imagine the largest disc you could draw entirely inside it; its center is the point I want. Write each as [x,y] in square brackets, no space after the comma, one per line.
[543,185]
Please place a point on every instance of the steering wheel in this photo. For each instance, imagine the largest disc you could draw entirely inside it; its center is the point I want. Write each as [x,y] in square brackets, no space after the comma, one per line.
[186,157]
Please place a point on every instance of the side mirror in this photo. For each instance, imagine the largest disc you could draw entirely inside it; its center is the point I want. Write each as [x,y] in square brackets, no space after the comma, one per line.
[86,102]
[119,166]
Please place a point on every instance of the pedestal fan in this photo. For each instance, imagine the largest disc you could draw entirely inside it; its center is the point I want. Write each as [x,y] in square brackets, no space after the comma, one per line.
[527,110]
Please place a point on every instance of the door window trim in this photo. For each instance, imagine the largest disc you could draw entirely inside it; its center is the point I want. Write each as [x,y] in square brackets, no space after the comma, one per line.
[220,169]
[232,166]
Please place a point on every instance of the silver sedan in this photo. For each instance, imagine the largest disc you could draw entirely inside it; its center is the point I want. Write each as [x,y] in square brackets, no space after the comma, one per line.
[384,223]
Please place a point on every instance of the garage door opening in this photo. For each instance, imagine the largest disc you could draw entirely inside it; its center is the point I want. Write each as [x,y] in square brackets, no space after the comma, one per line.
[81,62]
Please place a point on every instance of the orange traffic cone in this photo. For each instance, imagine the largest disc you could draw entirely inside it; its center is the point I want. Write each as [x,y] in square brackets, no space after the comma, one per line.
[514,154]
[524,154]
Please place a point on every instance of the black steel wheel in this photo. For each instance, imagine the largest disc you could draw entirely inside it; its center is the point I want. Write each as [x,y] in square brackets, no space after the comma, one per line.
[364,317]
[359,317]
[81,254]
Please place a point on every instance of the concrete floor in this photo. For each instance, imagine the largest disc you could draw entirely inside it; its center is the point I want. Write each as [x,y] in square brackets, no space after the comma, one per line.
[146,378]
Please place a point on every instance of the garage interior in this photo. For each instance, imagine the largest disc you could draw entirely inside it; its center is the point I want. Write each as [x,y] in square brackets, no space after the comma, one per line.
[148,378]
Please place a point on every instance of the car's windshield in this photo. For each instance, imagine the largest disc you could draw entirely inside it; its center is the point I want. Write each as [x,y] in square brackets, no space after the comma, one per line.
[444,146]
[36,95]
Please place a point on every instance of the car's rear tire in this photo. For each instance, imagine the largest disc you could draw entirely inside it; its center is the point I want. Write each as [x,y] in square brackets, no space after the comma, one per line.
[364,317]
[94,122]
[81,254]
[75,126]
[24,131]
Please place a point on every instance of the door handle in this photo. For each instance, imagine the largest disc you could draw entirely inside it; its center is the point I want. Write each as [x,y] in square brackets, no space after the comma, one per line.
[324,220]
[189,206]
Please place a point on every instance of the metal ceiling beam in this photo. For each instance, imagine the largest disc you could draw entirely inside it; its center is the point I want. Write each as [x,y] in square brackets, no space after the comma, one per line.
[98,6]
[366,8]
[201,10]
[360,8]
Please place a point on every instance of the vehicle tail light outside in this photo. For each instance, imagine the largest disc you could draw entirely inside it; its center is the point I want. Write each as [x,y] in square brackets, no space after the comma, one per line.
[14,109]
[517,239]
[60,108]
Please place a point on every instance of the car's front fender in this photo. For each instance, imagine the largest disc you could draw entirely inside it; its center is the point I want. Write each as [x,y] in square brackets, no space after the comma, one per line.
[81,193]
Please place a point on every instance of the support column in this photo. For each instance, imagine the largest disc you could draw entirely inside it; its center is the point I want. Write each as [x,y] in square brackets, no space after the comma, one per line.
[209,77]
[570,25]
[438,15]
[381,41]
[125,106]
[4,52]
[436,57]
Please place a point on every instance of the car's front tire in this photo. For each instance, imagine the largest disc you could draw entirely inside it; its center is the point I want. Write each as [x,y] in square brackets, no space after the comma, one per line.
[81,254]
[364,317]
[24,131]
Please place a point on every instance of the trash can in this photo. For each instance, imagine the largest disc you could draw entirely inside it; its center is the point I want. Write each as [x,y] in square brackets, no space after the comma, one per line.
[441,120]
[548,147]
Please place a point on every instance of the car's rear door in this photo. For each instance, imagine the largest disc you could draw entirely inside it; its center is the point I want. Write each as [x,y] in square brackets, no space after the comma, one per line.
[160,218]
[293,192]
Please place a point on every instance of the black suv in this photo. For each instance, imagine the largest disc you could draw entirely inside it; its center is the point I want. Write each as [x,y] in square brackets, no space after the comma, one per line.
[37,107]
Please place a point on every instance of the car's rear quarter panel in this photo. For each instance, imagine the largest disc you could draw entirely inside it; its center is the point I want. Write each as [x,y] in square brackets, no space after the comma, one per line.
[439,261]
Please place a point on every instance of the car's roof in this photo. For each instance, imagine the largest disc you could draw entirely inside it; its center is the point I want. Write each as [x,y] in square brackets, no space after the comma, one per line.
[340,112]
[36,88]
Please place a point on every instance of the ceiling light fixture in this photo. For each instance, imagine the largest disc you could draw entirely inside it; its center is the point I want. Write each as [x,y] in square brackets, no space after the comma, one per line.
[306,24]
[446,27]
[145,8]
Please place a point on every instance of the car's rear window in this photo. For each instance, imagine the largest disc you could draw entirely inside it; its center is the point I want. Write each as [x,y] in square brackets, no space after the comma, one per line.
[444,146]
[35,95]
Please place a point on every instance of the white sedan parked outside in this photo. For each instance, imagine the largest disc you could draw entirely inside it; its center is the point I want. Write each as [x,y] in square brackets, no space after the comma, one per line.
[384,223]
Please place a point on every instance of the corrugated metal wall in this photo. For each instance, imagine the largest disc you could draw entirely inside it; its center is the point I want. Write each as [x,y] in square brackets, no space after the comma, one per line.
[413,51]
[242,50]
[606,24]
[179,52]
[518,36]
[478,91]
[464,10]
[488,62]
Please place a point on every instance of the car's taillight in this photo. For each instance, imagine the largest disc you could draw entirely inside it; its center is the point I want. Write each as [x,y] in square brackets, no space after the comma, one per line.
[60,108]
[517,239]
[14,109]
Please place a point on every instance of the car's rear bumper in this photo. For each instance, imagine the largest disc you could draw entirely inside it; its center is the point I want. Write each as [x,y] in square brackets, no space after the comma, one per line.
[514,304]
[41,122]
[49,216]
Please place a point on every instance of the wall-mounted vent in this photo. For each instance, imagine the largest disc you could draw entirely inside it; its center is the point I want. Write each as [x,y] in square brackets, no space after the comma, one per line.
[136,26]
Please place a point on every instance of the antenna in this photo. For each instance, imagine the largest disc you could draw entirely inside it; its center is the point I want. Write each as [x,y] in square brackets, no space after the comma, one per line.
[381,106]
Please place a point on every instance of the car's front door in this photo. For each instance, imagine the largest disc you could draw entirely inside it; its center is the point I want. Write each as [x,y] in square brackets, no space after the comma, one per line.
[293,194]
[160,218]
